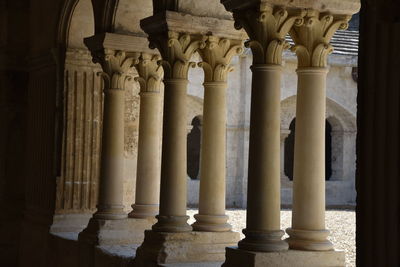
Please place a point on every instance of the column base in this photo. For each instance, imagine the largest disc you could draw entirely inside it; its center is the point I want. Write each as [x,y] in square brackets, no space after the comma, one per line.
[192,247]
[211,223]
[143,211]
[265,241]
[172,224]
[109,212]
[238,258]
[309,240]
[115,232]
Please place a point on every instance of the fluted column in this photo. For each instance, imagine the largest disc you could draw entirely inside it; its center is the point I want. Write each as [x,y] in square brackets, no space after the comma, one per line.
[115,66]
[176,50]
[312,47]
[266,27]
[216,56]
[148,162]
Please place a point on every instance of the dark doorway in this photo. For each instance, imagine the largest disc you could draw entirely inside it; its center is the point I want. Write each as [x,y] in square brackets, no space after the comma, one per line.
[289,150]
[193,149]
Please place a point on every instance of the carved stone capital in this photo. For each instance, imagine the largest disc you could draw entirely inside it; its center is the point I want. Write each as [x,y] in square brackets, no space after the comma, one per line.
[267,27]
[150,72]
[312,39]
[176,50]
[116,66]
[216,56]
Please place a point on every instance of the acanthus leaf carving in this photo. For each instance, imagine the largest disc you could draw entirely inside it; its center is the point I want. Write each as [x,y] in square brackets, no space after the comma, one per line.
[267,28]
[176,50]
[216,57]
[312,39]
[150,72]
[116,67]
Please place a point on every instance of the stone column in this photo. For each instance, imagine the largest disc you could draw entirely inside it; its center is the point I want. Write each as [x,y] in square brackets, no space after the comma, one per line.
[266,27]
[176,50]
[148,163]
[110,224]
[284,134]
[115,66]
[312,47]
[216,59]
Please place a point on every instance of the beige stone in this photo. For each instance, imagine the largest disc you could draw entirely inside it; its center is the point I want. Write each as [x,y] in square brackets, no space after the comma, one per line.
[331,6]
[216,55]
[168,248]
[312,48]
[266,28]
[115,232]
[240,258]
[148,166]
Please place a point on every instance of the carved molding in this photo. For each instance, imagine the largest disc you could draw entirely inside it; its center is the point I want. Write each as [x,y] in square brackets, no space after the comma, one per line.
[267,27]
[216,56]
[116,66]
[312,39]
[150,72]
[176,50]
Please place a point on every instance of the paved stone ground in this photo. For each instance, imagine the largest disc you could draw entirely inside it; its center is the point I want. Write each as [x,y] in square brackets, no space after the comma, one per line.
[341,223]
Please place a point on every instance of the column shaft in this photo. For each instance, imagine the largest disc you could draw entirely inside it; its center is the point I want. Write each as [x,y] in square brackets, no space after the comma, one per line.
[112,157]
[308,217]
[148,164]
[172,216]
[211,215]
[263,198]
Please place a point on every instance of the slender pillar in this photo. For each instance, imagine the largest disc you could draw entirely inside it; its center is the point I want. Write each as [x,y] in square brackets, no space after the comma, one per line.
[266,27]
[148,163]
[176,50]
[312,47]
[263,200]
[115,67]
[216,59]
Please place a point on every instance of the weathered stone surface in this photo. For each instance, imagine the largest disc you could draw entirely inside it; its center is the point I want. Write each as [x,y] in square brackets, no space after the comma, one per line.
[293,258]
[115,232]
[180,22]
[70,222]
[166,248]
[333,6]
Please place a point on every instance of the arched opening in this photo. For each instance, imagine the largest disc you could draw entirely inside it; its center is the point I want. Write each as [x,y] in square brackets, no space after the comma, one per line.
[289,150]
[193,148]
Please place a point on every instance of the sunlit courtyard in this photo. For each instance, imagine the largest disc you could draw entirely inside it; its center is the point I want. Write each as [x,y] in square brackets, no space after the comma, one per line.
[341,223]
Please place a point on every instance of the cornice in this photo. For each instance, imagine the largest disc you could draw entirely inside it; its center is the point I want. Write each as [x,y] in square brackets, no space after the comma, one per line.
[179,22]
[113,41]
[338,7]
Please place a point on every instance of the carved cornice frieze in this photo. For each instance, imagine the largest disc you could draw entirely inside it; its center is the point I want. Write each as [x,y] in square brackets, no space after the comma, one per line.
[116,67]
[332,6]
[176,50]
[312,39]
[150,72]
[267,27]
[216,56]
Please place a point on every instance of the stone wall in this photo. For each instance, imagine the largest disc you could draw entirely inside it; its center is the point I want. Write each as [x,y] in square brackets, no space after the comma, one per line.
[341,109]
